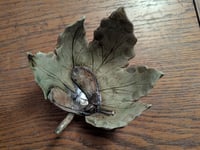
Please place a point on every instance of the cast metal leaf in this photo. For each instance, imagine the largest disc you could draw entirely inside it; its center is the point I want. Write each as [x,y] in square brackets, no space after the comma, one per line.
[110,86]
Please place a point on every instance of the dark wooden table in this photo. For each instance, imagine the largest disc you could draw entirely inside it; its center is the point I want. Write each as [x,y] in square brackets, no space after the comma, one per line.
[168,39]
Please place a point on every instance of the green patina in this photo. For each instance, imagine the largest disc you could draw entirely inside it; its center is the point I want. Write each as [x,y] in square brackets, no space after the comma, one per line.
[107,57]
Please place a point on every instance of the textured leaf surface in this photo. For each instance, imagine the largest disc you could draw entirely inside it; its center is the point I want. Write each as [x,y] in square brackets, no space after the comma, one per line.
[121,95]
[124,113]
[106,56]
[54,69]
[113,43]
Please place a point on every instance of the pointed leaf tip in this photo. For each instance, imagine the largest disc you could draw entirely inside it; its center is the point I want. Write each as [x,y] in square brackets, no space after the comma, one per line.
[119,14]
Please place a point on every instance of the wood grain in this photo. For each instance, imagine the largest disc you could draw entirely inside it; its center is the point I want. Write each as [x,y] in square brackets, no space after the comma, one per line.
[168,39]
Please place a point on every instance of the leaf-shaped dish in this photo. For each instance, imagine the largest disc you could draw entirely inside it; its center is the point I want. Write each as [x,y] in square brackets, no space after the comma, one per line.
[104,84]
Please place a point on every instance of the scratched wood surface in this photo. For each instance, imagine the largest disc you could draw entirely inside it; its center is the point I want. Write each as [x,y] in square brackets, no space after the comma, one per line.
[168,39]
